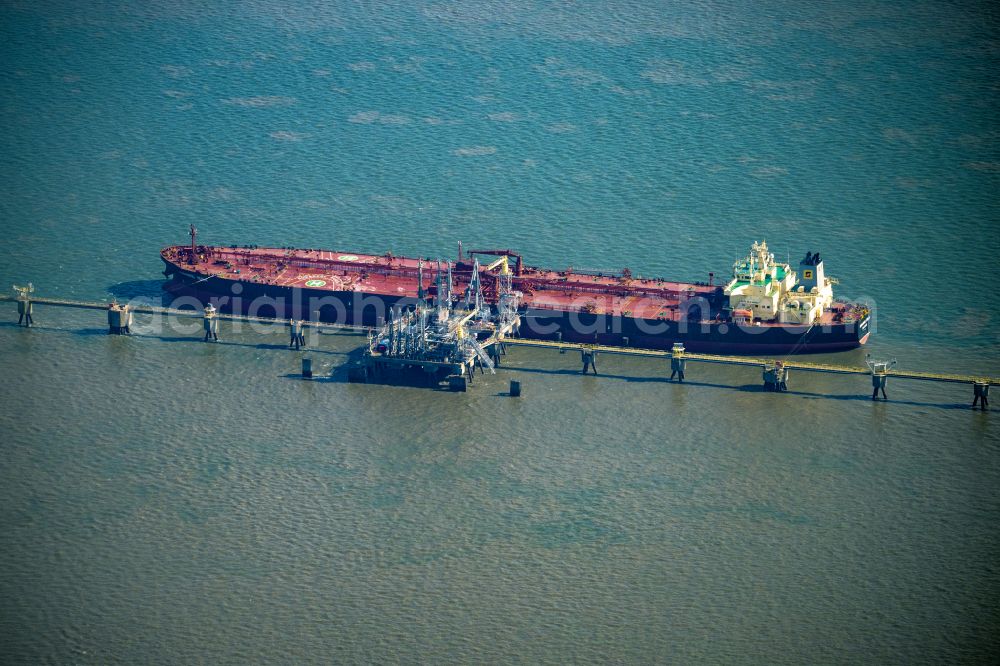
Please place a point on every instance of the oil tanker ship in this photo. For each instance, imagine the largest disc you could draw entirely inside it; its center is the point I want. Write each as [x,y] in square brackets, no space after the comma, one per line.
[766,307]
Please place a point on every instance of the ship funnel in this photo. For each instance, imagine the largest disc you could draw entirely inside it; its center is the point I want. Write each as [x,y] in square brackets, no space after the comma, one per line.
[811,272]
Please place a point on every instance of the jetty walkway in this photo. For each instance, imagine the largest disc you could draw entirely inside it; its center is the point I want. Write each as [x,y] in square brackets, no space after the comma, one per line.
[775,372]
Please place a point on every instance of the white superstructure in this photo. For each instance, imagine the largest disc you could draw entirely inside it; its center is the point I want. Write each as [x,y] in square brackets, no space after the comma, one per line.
[762,290]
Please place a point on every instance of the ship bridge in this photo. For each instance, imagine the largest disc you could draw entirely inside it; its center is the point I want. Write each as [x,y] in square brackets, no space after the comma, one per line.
[765,291]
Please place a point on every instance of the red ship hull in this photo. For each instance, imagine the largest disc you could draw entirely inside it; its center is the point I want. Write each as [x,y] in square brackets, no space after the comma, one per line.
[572,306]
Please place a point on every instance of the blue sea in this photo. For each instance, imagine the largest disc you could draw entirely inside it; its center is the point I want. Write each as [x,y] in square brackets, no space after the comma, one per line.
[168,501]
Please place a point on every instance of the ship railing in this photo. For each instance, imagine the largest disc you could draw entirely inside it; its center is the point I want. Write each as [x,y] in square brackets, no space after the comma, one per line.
[241,257]
[673,296]
[598,273]
[581,308]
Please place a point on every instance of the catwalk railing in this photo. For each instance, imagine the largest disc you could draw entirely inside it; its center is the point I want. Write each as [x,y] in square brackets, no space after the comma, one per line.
[775,372]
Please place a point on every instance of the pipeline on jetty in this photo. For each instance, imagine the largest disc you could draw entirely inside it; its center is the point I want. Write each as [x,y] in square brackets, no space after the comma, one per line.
[142,308]
[417,354]
[758,362]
